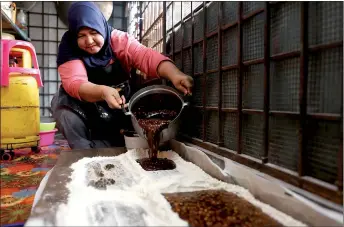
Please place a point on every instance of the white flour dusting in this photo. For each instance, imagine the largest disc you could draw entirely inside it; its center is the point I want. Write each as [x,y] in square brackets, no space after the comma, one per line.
[135,198]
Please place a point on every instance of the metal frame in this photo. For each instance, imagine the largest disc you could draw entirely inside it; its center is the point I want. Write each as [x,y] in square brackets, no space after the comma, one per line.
[113,17]
[45,90]
[155,28]
[332,192]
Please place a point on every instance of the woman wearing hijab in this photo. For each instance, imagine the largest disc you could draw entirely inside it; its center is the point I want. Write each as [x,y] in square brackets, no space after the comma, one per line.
[94,62]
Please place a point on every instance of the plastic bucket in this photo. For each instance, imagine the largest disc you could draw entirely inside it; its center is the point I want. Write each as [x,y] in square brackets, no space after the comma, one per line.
[45,127]
[47,138]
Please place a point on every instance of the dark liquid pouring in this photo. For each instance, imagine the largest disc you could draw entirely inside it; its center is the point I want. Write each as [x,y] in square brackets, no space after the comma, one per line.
[153,128]
[153,123]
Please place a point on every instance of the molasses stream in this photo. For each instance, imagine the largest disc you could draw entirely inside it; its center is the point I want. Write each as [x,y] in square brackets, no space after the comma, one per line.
[154,113]
[153,123]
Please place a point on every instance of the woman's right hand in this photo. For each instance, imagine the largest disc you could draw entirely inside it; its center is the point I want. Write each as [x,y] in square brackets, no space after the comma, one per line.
[112,97]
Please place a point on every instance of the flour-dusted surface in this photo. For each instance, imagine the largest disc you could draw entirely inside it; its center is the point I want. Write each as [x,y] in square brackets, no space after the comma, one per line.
[135,198]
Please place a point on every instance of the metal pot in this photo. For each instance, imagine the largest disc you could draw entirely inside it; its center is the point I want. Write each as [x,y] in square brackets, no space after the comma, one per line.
[172,129]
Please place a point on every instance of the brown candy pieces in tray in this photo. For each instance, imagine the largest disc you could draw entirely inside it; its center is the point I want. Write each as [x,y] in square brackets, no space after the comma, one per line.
[217,208]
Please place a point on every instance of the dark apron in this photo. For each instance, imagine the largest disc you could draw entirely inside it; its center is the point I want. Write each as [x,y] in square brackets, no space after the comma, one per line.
[103,122]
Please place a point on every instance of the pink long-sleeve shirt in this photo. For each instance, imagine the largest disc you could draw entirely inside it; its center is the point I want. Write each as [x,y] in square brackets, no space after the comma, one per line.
[127,50]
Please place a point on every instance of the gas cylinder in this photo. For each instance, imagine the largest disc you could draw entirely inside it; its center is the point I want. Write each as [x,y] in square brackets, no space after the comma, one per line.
[22,56]
[19,104]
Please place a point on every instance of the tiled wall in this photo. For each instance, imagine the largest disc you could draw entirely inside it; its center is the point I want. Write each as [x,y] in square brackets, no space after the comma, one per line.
[45,30]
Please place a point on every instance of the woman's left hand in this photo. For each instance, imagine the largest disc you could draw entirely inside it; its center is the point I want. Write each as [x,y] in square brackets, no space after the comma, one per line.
[183,83]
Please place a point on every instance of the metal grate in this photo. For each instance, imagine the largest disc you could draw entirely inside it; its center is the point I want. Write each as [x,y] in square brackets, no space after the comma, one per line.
[186,8]
[229,12]
[252,135]
[253,87]
[197,97]
[229,89]
[198,26]
[230,130]
[178,39]
[187,33]
[186,126]
[284,85]
[249,7]
[196,4]
[169,18]
[178,60]
[285,27]
[211,127]
[230,47]
[253,38]
[190,118]
[273,127]
[283,142]
[196,123]
[325,22]
[177,12]
[198,60]
[322,149]
[212,17]
[169,42]
[325,81]
[45,30]
[212,59]
[187,67]
[212,90]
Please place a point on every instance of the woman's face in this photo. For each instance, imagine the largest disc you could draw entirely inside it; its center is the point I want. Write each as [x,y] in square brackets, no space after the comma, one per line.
[90,40]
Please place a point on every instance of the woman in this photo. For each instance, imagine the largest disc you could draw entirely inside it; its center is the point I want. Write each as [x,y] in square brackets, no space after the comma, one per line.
[94,62]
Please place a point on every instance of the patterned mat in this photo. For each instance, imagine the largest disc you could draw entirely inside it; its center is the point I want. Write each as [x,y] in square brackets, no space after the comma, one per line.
[20,179]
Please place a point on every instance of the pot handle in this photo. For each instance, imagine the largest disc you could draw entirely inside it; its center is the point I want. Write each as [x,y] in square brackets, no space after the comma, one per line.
[125,111]
[185,104]
[186,101]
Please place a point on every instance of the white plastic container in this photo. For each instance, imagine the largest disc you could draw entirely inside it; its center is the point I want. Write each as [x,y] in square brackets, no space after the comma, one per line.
[7,36]
[133,142]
